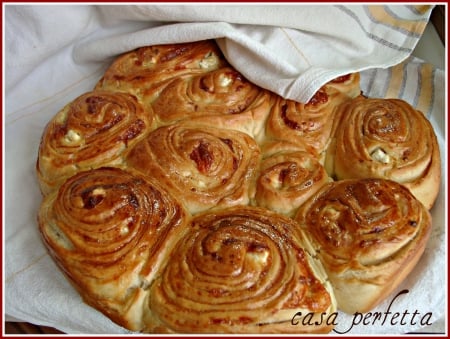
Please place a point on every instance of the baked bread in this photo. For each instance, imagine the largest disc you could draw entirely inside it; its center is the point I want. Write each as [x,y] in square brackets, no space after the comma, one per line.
[287,176]
[224,93]
[94,130]
[241,270]
[348,84]
[387,138]
[369,235]
[205,166]
[109,230]
[311,125]
[145,71]
[178,197]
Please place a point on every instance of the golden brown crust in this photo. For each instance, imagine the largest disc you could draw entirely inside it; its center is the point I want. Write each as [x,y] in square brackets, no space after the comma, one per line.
[287,176]
[387,138]
[348,84]
[222,96]
[205,166]
[181,198]
[311,124]
[94,130]
[369,234]
[240,270]
[145,71]
[178,58]
[108,230]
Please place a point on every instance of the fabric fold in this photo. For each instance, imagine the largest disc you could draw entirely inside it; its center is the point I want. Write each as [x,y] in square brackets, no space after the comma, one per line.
[277,46]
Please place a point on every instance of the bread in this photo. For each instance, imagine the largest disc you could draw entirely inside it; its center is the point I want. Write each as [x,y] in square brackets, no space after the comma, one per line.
[94,130]
[178,197]
[288,175]
[369,235]
[108,230]
[223,93]
[241,270]
[122,240]
[311,124]
[387,138]
[348,84]
[145,71]
[205,166]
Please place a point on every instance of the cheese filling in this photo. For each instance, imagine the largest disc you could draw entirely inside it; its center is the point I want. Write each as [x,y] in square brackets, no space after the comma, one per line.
[72,137]
[380,156]
[209,61]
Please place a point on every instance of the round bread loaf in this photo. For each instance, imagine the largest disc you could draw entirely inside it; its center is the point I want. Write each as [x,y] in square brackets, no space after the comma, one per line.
[288,175]
[178,197]
[387,138]
[109,230]
[94,130]
[369,235]
[241,270]
[205,166]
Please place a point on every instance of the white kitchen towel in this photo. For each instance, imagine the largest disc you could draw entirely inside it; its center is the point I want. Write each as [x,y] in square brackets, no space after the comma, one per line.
[55,53]
[290,49]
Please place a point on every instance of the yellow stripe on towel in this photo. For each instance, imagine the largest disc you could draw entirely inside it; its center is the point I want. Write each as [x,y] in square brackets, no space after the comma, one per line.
[422,9]
[396,81]
[380,15]
[422,100]
[425,92]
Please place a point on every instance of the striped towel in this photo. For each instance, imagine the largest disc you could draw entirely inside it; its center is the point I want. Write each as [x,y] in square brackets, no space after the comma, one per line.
[291,50]
[411,80]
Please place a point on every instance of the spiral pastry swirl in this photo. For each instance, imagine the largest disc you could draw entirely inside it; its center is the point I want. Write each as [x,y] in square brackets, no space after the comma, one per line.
[387,138]
[223,92]
[92,131]
[239,270]
[146,70]
[178,197]
[369,234]
[206,166]
[311,124]
[287,179]
[108,230]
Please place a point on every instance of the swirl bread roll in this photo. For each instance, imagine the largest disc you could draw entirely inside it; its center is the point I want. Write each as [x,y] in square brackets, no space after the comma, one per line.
[146,70]
[223,96]
[94,130]
[348,84]
[108,230]
[387,138]
[150,183]
[204,166]
[288,176]
[310,125]
[369,234]
[240,270]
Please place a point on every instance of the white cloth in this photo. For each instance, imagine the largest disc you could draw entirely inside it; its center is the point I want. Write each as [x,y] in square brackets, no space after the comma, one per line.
[289,49]
[55,53]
